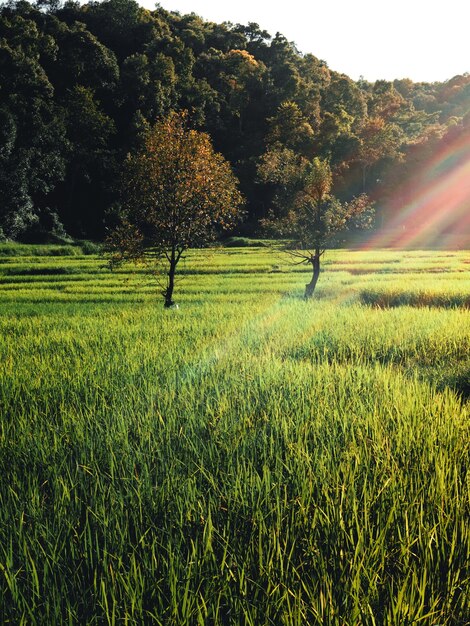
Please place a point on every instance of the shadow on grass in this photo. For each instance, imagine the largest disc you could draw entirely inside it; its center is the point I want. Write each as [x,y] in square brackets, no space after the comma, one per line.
[41,271]
[458,382]
[386,300]
[400,270]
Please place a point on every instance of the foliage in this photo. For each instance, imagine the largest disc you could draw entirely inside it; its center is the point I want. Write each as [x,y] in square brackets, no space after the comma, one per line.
[177,193]
[80,82]
[312,218]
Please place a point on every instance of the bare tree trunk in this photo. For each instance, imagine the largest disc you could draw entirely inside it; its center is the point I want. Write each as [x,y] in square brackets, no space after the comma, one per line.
[171,280]
[364,178]
[310,287]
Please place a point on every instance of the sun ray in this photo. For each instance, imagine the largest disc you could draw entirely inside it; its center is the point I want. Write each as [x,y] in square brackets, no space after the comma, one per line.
[436,210]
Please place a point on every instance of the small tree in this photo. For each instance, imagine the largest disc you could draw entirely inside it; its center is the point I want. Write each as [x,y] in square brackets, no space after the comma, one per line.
[176,193]
[314,218]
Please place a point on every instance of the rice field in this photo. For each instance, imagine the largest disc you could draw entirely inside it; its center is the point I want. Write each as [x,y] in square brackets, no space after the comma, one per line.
[246,459]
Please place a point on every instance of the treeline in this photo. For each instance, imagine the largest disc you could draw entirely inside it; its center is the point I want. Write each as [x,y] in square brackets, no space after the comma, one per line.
[80,84]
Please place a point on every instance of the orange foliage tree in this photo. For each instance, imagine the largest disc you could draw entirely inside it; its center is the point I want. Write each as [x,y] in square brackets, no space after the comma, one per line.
[177,193]
[313,220]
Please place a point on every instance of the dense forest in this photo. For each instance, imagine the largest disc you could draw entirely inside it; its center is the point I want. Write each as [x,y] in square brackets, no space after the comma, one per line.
[80,84]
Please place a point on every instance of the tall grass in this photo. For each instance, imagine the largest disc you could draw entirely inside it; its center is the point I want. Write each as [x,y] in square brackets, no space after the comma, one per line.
[246,459]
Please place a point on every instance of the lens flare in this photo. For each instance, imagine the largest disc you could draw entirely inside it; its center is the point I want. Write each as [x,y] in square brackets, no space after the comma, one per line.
[434,207]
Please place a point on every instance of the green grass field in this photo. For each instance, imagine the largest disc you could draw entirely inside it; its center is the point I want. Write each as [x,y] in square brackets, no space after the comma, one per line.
[247,459]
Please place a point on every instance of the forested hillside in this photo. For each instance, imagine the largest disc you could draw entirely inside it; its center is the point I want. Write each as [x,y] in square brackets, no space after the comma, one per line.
[79,84]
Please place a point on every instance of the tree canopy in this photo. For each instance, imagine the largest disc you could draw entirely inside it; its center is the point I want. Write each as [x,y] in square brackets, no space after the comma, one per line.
[79,83]
[309,218]
[177,193]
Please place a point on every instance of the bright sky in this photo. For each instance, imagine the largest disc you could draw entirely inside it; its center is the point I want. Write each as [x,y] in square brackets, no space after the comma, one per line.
[425,40]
